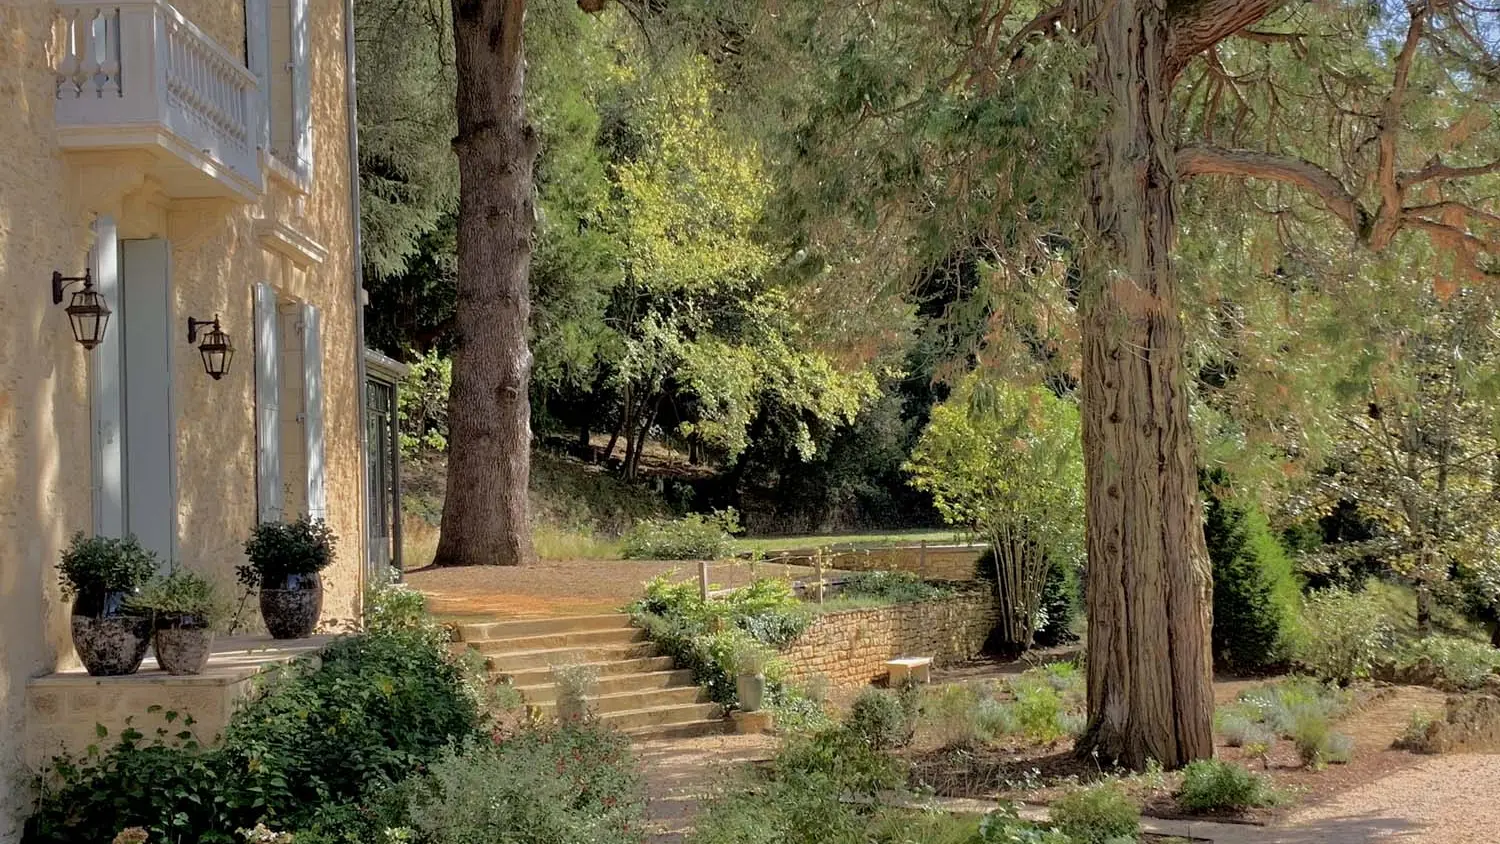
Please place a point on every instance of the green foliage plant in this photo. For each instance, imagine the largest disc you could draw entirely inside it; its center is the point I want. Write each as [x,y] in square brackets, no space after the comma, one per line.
[1255,590]
[1451,662]
[1097,815]
[183,596]
[891,587]
[278,549]
[321,750]
[1007,463]
[572,783]
[105,564]
[1213,785]
[1341,635]
[950,716]
[693,537]
[878,717]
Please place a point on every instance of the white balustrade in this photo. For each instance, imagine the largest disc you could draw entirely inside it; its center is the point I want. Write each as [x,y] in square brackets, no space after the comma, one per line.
[139,74]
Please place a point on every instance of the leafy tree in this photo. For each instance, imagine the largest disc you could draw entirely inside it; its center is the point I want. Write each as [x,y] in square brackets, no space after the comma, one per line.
[1058,136]
[1006,462]
[1421,407]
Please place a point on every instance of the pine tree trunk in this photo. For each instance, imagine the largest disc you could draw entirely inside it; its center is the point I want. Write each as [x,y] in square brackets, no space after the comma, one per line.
[489,409]
[1150,690]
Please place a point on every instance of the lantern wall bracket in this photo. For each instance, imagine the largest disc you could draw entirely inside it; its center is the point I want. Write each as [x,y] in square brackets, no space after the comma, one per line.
[62,282]
[195,324]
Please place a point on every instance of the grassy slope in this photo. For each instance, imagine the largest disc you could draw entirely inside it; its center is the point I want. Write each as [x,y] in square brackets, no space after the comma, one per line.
[860,540]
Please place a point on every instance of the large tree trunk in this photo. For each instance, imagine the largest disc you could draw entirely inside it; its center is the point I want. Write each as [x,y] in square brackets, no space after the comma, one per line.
[489,410]
[1149,659]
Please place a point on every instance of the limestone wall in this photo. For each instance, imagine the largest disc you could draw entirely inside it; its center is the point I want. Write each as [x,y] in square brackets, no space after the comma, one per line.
[850,648]
[48,200]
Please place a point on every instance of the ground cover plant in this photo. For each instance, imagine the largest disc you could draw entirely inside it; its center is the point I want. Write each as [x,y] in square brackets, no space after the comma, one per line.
[349,749]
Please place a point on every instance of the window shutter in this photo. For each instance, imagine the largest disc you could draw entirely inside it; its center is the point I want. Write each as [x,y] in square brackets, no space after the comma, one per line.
[258,58]
[105,383]
[267,411]
[312,411]
[301,89]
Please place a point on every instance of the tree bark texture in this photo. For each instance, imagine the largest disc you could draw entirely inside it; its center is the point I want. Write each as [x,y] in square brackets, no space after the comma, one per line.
[1150,688]
[489,410]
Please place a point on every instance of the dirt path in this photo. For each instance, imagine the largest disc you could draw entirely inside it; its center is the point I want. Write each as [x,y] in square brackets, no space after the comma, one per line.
[565,587]
[679,773]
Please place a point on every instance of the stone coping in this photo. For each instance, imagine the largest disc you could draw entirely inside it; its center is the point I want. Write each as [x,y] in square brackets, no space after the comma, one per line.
[233,659]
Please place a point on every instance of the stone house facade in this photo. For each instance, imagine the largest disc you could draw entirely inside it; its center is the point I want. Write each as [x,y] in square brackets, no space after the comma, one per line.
[195,159]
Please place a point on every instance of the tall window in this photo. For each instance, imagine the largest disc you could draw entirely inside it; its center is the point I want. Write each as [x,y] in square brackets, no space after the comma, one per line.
[276,32]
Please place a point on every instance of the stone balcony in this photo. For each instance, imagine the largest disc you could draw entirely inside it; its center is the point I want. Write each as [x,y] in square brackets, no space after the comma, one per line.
[65,710]
[138,76]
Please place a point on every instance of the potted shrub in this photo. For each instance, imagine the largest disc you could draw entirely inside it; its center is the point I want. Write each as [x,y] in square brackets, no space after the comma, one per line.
[750,659]
[186,608]
[100,574]
[285,558]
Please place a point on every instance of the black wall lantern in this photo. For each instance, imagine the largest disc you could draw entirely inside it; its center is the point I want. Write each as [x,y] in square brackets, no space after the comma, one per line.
[87,312]
[216,349]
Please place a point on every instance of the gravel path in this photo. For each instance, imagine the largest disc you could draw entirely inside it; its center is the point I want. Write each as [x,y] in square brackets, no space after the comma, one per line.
[1442,800]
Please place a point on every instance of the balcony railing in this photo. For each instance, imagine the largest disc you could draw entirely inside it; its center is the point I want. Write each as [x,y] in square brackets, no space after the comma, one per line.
[138,75]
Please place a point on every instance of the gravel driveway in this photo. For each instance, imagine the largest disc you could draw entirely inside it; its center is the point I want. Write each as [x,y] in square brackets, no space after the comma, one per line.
[1442,800]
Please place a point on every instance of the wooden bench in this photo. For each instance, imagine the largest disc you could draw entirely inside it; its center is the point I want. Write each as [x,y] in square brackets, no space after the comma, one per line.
[909,669]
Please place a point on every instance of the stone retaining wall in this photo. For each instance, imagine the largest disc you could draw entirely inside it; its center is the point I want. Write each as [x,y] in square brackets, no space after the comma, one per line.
[850,648]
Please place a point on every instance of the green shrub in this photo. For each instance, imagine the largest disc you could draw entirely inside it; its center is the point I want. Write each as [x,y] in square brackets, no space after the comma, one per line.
[1212,785]
[778,628]
[693,537]
[105,564]
[1310,732]
[1342,635]
[317,749]
[574,783]
[278,549]
[997,718]
[1279,705]
[1061,601]
[894,587]
[950,714]
[1039,712]
[1417,737]
[822,789]
[704,635]
[182,597]
[1339,750]
[878,717]
[1097,815]
[1255,589]
[1451,662]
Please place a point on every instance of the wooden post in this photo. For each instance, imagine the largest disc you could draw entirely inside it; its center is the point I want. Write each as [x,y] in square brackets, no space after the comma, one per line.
[818,572]
[703,579]
[922,559]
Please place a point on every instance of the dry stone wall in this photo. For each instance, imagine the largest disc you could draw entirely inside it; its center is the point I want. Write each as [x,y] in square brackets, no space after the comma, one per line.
[850,648]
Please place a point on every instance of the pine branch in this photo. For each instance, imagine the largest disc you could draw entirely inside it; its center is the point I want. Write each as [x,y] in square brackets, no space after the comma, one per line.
[1197,26]
[1211,161]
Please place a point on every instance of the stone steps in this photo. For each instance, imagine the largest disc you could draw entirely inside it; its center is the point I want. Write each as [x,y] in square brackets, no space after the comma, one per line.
[603,704]
[544,691]
[639,691]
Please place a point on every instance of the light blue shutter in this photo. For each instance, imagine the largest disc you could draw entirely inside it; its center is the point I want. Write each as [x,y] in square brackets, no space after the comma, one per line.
[258,58]
[106,400]
[267,411]
[312,411]
[301,90]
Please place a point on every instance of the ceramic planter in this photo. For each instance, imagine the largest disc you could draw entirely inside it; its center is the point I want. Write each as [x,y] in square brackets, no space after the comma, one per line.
[291,604]
[751,690]
[183,643]
[110,639]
